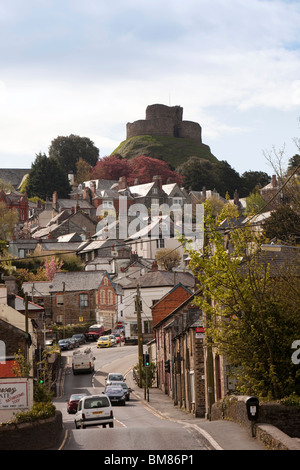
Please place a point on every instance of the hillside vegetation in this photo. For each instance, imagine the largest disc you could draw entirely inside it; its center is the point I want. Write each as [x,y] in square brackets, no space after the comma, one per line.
[172,150]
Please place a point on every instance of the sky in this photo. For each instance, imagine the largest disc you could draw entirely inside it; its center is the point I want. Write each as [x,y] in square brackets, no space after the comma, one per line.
[87,68]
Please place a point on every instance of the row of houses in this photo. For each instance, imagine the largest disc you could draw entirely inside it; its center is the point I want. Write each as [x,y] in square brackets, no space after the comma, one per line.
[114,272]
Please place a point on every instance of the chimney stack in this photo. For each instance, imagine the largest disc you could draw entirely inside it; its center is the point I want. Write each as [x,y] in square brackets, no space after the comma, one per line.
[122,182]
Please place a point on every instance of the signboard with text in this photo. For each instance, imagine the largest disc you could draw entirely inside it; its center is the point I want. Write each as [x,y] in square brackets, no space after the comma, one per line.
[15,393]
[200,332]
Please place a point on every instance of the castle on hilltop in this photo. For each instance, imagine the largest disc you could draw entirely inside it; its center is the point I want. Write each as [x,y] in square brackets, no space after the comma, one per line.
[162,120]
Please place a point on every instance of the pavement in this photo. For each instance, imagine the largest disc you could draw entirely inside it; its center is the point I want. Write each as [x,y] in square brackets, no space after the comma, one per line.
[219,434]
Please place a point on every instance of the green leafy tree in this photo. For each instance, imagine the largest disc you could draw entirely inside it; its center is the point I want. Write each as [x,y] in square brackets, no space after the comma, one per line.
[251,309]
[283,224]
[8,219]
[83,171]
[47,176]
[254,203]
[293,163]
[198,173]
[69,149]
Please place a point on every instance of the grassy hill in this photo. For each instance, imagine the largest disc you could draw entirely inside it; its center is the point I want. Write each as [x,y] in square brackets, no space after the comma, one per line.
[172,150]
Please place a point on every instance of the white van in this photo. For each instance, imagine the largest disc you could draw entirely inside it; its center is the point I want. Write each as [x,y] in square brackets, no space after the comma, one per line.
[94,410]
[83,361]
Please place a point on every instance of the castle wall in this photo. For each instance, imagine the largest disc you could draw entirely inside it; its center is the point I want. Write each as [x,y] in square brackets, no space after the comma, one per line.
[159,126]
[162,120]
[155,111]
[190,130]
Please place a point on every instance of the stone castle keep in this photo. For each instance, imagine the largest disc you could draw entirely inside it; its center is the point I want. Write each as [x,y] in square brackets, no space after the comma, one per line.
[162,120]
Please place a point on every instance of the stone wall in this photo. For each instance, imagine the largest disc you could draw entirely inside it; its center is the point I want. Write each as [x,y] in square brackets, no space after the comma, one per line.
[285,418]
[39,435]
[166,121]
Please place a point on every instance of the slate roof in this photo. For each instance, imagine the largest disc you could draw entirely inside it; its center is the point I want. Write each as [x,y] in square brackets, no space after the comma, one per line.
[141,190]
[77,281]
[41,288]
[161,279]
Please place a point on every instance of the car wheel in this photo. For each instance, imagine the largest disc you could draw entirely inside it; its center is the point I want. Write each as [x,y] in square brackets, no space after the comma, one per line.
[111,425]
[76,425]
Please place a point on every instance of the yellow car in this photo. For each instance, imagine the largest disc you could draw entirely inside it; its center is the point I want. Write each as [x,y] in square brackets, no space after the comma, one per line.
[104,342]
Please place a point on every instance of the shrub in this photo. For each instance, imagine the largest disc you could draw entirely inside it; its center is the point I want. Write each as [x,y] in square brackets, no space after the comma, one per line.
[38,411]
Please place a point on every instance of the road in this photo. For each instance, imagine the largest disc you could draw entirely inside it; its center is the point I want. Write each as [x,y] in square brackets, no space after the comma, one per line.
[136,426]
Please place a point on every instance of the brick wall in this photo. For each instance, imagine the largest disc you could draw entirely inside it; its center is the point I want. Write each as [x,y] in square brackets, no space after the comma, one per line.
[70,311]
[169,303]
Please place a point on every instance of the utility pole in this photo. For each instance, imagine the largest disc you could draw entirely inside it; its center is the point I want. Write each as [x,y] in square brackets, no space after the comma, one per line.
[139,328]
[26,327]
[209,361]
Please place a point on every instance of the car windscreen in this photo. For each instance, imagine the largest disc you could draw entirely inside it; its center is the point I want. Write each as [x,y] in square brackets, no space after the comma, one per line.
[116,377]
[114,391]
[96,402]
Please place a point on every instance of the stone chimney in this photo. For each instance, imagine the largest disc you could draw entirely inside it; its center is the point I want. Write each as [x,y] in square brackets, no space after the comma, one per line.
[122,182]
[236,198]
[274,181]
[54,200]
[3,294]
[93,188]
[154,266]
[158,180]
[11,284]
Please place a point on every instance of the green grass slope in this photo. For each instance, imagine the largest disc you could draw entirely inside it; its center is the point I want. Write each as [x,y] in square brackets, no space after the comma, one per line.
[172,150]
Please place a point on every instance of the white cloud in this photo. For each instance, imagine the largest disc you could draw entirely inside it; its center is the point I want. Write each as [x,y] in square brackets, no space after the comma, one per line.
[89,68]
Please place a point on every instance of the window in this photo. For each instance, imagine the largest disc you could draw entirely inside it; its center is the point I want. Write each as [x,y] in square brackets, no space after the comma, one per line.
[177,201]
[160,243]
[148,327]
[107,204]
[84,300]
[192,386]
[110,298]
[59,300]
[133,329]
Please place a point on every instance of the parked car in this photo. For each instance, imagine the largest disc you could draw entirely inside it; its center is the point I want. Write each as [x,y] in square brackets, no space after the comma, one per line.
[74,342]
[80,337]
[119,337]
[114,377]
[104,342]
[73,402]
[65,345]
[94,410]
[125,387]
[116,394]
